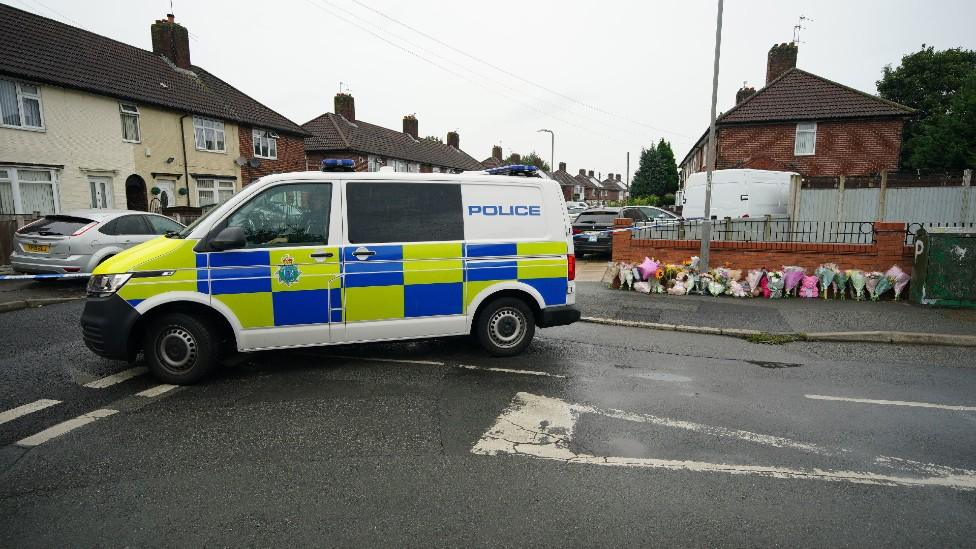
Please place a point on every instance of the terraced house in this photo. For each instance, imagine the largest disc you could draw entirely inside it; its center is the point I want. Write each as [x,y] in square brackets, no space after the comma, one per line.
[88,121]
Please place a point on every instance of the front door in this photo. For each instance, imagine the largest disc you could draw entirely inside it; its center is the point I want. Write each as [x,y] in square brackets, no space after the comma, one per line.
[167,193]
[283,286]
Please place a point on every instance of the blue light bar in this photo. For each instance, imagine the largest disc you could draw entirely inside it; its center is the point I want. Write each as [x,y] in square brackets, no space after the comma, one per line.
[338,165]
[515,169]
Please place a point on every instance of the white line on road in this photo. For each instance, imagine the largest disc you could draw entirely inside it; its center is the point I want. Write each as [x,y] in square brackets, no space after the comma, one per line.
[895,403]
[64,427]
[541,427]
[157,390]
[117,378]
[30,408]
[509,371]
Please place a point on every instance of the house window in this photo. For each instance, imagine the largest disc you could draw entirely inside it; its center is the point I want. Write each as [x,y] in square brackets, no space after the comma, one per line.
[214,191]
[806,139]
[265,143]
[26,191]
[208,134]
[101,191]
[130,123]
[20,105]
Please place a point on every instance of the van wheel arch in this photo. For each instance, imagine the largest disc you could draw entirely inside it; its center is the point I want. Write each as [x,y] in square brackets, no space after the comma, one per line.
[517,294]
[224,331]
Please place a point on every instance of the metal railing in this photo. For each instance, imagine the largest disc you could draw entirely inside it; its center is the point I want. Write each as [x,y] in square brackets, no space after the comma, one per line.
[911,229]
[762,230]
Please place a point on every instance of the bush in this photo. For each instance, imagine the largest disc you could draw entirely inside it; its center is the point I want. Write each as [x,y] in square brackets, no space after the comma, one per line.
[668,199]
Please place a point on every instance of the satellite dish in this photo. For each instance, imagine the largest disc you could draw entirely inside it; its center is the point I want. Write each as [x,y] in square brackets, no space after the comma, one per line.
[254,162]
[240,161]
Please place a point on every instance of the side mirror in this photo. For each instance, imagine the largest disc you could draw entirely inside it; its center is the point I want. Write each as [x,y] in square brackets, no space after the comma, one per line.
[229,238]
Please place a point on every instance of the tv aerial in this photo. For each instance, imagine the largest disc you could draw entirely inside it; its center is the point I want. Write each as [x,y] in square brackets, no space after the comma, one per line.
[798,27]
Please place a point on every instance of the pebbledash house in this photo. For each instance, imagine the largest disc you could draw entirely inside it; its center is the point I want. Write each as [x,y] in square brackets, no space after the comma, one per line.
[90,122]
[804,123]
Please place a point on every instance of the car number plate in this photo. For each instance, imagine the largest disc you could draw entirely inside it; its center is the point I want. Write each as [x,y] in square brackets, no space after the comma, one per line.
[37,248]
[592,237]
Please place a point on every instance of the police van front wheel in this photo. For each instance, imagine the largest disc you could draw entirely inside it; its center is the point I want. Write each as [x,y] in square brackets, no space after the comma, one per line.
[179,348]
[505,327]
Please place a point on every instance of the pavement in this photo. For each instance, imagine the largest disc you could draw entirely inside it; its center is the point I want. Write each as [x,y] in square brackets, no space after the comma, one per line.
[595,436]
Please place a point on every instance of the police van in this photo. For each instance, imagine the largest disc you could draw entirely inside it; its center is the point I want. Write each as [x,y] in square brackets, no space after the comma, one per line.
[336,256]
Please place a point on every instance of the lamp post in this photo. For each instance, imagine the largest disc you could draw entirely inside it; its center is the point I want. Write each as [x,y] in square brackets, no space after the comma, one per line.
[710,162]
[552,148]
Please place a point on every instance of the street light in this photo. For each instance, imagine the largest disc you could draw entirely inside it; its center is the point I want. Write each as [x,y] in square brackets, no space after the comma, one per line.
[710,152]
[552,149]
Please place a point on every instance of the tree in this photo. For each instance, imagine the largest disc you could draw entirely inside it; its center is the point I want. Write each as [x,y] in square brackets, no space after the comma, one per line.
[670,166]
[930,81]
[531,159]
[648,172]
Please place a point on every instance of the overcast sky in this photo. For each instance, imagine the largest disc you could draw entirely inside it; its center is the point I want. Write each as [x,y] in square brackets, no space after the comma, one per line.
[606,77]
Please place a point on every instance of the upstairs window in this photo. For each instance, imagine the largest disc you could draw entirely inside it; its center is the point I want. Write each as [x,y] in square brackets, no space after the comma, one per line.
[265,144]
[130,123]
[806,139]
[208,134]
[20,105]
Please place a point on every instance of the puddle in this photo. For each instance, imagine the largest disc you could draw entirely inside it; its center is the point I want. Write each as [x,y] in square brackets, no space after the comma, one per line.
[769,364]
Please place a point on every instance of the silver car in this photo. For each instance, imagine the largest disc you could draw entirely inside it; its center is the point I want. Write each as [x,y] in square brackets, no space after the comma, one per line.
[77,241]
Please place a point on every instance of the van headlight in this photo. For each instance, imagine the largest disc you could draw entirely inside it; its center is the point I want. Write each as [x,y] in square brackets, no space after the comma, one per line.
[106,284]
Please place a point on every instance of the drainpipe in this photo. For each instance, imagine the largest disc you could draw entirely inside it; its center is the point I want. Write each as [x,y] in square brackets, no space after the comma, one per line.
[186,169]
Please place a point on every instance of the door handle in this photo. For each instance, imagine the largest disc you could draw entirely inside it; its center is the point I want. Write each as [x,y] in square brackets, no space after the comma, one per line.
[363,253]
[321,254]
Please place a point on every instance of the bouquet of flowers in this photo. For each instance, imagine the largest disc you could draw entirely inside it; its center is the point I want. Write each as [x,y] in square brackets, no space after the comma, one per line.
[764,287]
[720,281]
[825,274]
[840,284]
[871,283]
[692,284]
[884,284]
[693,263]
[776,284]
[737,289]
[901,279]
[625,272]
[808,286]
[643,287]
[792,275]
[753,277]
[857,283]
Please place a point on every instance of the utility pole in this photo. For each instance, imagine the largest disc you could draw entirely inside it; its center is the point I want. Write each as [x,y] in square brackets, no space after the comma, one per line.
[627,181]
[552,149]
[710,159]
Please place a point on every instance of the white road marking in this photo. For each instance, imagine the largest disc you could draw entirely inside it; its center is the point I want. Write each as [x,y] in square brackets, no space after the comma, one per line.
[895,403]
[156,391]
[124,375]
[25,409]
[64,427]
[509,371]
[542,427]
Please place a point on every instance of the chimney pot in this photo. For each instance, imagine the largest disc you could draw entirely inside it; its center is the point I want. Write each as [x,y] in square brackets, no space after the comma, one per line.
[411,126]
[171,40]
[781,58]
[618,177]
[590,173]
[496,152]
[453,140]
[562,166]
[345,106]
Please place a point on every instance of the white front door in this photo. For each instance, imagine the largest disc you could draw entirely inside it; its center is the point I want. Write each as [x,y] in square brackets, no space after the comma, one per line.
[101,191]
[167,193]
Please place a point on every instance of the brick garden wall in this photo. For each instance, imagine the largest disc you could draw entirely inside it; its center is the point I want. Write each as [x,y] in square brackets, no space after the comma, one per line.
[888,249]
[862,147]
[291,156]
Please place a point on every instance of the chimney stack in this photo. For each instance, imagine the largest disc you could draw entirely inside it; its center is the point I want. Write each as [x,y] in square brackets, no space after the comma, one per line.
[496,153]
[610,176]
[744,93]
[516,158]
[590,173]
[410,126]
[582,172]
[345,106]
[171,40]
[618,177]
[781,58]
[562,166]
[453,140]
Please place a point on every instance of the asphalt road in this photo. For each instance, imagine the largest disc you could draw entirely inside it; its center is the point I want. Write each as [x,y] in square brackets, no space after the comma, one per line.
[595,436]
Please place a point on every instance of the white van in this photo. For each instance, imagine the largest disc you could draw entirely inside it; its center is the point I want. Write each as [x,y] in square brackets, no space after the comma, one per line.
[738,193]
[320,258]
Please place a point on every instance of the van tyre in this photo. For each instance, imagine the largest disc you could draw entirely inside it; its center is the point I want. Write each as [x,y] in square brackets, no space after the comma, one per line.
[180,349]
[505,327]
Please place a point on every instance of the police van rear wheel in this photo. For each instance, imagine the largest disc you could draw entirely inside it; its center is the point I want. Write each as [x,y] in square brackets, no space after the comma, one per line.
[180,349]
[505,327]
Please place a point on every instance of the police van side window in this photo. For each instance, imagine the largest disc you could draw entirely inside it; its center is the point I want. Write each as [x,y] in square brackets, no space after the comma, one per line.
[404,212]
[286,215]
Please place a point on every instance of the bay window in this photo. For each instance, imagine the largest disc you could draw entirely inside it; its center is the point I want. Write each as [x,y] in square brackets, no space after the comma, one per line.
[28,190]
[214,191]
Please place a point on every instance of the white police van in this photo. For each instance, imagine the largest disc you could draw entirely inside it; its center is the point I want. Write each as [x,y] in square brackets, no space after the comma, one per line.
[336,256]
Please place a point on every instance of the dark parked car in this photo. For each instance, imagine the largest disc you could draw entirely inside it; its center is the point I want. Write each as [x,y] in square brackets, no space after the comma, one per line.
[590,230]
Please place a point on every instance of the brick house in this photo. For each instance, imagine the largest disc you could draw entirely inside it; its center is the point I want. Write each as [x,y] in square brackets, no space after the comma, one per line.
[804,123]
[495,160]
[341,135]
[616,190]
[594,192]
[90,122]
[572,188]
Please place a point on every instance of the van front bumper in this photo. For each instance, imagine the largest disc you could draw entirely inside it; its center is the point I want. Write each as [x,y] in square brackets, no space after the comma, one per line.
[106,326]
[558,316]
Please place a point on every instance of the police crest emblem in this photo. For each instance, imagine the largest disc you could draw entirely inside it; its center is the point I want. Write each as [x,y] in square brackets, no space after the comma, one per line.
[288,273]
